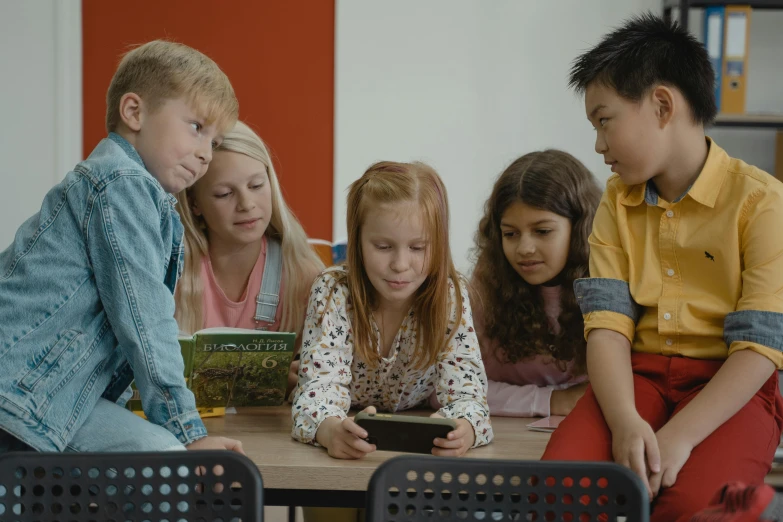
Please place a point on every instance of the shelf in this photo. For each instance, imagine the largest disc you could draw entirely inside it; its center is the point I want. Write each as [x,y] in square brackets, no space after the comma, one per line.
[767,121]
[755,4]
[683,6]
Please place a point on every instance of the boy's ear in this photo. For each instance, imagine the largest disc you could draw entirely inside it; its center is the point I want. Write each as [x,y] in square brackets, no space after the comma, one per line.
[664,102]
[130,111]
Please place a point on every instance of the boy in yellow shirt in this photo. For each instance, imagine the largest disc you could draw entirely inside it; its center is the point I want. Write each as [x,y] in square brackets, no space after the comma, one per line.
[684,307]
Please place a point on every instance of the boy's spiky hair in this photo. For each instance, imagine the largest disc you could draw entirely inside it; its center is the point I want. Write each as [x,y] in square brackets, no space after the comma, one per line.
[647,51]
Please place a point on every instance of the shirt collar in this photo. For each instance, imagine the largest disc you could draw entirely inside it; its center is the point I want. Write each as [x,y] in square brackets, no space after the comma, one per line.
[704,190]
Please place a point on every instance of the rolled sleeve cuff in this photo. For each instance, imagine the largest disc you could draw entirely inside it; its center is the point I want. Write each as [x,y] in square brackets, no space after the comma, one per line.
[756,330]
[619,323]
[597,294]
[187,427]
[607,304]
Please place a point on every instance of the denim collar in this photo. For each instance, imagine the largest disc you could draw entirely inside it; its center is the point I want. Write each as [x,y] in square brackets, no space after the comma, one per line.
[128,148]
[134,155]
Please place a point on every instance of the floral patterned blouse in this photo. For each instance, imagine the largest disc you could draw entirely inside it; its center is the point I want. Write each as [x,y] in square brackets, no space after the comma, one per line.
[331,381]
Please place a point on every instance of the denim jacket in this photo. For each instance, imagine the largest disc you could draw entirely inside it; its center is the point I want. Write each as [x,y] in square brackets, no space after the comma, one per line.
[86,304]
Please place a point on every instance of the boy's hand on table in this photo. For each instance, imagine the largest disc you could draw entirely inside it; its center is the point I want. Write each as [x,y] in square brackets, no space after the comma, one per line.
[216,443]
[458,441]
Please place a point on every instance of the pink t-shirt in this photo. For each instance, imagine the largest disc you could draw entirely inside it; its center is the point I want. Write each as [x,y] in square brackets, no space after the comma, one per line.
[219,310]
[524,389]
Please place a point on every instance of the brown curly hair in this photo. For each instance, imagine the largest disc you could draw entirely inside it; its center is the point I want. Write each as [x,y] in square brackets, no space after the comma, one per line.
[514,316]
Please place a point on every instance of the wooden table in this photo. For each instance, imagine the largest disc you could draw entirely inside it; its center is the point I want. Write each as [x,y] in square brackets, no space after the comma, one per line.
[303,475]
[297,474]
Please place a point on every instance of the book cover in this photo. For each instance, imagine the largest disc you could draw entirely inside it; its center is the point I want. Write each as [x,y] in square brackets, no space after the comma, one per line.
[229,367]
[234,367]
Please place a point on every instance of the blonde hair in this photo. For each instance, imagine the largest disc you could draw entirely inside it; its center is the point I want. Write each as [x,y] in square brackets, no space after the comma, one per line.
[300,262]
[159,70]
[390,182]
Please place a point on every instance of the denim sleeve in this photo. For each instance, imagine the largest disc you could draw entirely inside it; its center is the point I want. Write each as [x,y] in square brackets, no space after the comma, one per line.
[128,255]
[757,322]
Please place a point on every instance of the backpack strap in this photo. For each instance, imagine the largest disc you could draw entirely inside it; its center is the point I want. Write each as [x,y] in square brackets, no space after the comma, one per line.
[269,297]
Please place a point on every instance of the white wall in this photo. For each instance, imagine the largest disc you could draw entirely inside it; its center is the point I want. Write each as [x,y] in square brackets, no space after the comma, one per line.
[466,86]
[41,104]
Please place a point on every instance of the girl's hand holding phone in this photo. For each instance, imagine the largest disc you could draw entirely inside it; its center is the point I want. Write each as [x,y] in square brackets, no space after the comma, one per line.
[458,442]
[343,438]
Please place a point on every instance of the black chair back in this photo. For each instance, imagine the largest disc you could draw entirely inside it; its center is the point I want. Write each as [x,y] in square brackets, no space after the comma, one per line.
[177,486]
[410,488]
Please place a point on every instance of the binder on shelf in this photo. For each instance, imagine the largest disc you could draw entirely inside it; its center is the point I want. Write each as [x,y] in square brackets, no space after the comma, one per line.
[735,59]
[713,41]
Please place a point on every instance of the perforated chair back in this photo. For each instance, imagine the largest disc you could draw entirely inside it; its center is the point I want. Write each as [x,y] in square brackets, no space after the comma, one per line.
[411,488]
[204,486]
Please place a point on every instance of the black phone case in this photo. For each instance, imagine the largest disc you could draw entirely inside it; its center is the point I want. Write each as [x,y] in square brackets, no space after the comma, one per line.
[400,436]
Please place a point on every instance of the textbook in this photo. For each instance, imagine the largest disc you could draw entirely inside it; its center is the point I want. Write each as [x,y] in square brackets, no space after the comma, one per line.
[230,367]
[235,367]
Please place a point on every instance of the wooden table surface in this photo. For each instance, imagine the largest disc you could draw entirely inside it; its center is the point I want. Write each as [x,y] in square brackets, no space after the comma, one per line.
[287,464]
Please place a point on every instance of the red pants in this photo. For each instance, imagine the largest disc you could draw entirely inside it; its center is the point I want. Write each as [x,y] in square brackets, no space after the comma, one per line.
[741,449]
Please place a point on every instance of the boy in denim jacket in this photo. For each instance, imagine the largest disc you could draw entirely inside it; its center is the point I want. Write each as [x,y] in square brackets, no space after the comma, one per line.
[86,288]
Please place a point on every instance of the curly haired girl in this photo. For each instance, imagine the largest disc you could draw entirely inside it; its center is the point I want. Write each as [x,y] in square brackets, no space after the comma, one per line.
[530,246]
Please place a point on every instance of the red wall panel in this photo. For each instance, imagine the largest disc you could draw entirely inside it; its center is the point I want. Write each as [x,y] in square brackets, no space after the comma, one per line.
[280,58]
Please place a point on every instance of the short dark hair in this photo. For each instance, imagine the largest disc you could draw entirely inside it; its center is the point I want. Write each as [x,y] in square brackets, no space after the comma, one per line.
[643,52]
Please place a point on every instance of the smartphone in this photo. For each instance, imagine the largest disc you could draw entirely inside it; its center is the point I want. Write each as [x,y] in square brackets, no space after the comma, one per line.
[405,433]
[548,424]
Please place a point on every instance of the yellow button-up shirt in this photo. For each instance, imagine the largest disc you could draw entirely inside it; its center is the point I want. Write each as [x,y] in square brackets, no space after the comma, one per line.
[701,277]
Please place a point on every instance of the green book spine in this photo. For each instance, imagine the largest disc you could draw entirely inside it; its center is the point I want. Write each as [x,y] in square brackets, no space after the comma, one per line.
[188,347]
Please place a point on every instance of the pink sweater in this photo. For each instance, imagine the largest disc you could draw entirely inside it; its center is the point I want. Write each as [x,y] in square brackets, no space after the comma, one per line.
[524,389]
[219,310]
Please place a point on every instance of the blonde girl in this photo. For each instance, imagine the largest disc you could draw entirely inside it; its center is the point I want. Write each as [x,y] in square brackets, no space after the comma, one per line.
[240,236]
